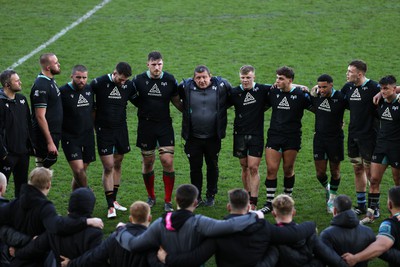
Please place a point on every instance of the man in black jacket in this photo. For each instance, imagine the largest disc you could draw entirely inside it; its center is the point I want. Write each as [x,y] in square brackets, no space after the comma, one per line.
[307,252]
[110,251]
[204,120]
[244,248]
[15,128]
[387,238]
[346,234]
[32,213]
[81,204]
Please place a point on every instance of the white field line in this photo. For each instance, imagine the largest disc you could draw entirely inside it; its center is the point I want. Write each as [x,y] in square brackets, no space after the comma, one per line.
[58,35]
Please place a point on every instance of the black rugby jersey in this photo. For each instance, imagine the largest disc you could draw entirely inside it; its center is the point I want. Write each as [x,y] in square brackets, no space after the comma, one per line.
[249,108]
[362,110]
[389,121]
[154,95]
[111,101]
[45,94]
[77,109]
[287,110]
[329,113]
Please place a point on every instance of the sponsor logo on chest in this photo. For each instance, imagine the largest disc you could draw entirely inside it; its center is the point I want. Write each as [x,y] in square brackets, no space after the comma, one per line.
[249,99]
[82,101]
[355,96]
[325,106]
[284,104]
[115,94]
[155,91]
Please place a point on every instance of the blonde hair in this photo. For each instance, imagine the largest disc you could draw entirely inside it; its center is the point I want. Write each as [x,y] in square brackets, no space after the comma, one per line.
[40,177]
[139,211]
[283,204]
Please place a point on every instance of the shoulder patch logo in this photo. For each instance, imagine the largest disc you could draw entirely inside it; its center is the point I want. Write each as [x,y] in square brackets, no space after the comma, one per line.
[115,94]
[249,99]
[386,115]
[155,91]
[284,104]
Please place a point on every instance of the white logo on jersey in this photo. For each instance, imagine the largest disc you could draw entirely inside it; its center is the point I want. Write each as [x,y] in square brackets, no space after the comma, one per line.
[7,105]
[164,83]
[249,99]
[36,93]
[22,101]
[115,94]
[284,104]
[71,95]
[82,101]
[356,95]
[214,88]
[387,115]
[155,91]
[325,106]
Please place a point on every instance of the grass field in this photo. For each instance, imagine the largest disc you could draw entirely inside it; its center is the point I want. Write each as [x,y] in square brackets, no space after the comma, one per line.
[312,36]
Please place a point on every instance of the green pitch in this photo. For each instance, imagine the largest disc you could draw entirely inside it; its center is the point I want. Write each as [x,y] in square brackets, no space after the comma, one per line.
[312,36]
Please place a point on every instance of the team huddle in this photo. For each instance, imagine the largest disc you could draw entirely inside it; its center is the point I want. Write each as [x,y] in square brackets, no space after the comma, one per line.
[81,115]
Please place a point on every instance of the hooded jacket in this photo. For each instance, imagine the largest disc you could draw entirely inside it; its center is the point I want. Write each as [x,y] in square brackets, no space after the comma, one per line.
[70,246]
[246,248]
[15,125]
[110,251]
[181,231]
[346,234]
[32,213]
[309,252]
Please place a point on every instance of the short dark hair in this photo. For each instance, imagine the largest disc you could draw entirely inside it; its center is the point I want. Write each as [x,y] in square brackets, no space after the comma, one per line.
[325,78]
[238,198]
[394,196]
[154,55]
[246,69]
[342,203]
[286,71]
[390,79]
[359,64]
[5,77]
[200,69]
[185,195]
[123,68]
[79,68]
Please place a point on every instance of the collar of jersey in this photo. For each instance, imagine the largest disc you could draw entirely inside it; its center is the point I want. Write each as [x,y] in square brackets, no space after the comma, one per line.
[254,84]
[148,74]
[333,91]
[366,80]
[393,101]
[41,75]
[70,85]
[291,90]
[110,77]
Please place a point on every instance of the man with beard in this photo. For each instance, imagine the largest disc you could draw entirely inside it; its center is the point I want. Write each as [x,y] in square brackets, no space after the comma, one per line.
[77,131]
[47,111]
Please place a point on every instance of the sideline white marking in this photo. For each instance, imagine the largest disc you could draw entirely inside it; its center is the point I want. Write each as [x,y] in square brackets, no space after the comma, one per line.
[58,35]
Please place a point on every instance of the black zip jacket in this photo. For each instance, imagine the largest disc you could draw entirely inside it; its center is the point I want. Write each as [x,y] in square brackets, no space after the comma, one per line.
[15,125]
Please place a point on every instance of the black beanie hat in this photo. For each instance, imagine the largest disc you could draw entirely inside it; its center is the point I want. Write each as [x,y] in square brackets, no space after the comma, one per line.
[81,202]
